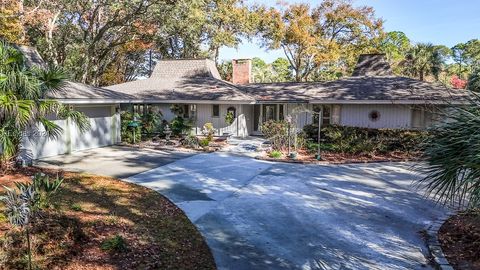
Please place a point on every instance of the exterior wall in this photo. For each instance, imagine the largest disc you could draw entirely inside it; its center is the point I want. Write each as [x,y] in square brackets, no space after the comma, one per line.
[105,130]
[391,116]
[204,115]
[300,113]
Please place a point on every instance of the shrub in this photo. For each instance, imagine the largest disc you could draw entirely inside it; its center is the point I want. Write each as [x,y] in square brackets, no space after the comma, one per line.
[356,140]
[180,126]
[275,154]
[208,130]
[190,141]
[229,118]
[151,123]
[277,133]
[126,131]
[204,142]
[116,243]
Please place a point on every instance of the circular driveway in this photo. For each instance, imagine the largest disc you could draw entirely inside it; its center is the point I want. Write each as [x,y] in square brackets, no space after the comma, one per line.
[263,215]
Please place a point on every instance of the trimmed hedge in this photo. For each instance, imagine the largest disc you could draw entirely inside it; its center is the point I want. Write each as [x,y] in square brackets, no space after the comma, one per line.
[356,140]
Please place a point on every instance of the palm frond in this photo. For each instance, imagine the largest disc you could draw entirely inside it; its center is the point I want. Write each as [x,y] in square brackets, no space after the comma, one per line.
[52,79]
[52,130]
[78,118]
[452,156]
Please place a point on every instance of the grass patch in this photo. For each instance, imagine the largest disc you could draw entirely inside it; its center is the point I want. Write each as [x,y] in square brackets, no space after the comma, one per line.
[95,214]
[115,243]
[275,154]
[76,207]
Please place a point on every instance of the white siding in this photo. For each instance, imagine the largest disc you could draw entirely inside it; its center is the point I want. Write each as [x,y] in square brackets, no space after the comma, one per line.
[36,144]
[204,115]
[105,130]
[391,116]
[300,113]
[167,114]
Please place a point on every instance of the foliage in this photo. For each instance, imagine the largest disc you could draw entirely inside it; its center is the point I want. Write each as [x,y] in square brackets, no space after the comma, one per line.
[151,122]
[277,133]
[208,130]
[225,69]
[229,118]
[11,28]
[76,207]
[424,59]
[180,126]
[364,140]
[458,83]
[452,153]
[275,154]
[23,102]
[334,32]
[277,71]
[204,142]
[191,141]
[21,207]
[127,131]
[396,46]
[474,80]
[116,243]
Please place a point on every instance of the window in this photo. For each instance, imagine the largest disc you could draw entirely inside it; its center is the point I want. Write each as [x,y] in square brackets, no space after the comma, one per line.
[325,111]
[281,115]
[193,111]
[215,110]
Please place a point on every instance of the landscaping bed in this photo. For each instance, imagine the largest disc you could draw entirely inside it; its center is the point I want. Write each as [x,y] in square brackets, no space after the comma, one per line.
[459,237]
[343,158]
[98,222]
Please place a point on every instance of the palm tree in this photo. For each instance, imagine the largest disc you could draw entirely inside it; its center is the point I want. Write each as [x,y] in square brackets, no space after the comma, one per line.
[24,103]
[452,157]
[424,59]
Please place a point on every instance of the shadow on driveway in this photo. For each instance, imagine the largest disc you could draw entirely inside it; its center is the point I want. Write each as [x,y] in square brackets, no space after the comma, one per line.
[116,161]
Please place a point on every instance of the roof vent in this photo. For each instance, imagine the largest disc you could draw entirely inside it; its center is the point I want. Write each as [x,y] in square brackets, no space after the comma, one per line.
[372,65]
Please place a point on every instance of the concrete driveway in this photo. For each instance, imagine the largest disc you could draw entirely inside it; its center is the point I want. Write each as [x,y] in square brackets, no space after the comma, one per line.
[261,215]
[115,161]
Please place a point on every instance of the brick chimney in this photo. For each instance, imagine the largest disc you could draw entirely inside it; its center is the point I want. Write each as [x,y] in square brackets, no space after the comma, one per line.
[242,71]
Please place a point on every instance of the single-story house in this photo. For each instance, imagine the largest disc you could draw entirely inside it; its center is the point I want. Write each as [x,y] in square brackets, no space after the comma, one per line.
[371,97]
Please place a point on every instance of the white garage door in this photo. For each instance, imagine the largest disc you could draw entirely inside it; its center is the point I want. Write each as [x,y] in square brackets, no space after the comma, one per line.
[105,130]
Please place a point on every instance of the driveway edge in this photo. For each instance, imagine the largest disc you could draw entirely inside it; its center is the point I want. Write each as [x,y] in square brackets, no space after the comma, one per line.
[434,248]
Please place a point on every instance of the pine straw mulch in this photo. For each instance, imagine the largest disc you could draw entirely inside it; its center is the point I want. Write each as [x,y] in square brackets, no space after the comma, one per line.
[90,209]
[304,156]
[460,240]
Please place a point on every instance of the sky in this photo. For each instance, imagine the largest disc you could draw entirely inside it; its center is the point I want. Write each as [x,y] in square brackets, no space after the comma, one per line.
[446,22]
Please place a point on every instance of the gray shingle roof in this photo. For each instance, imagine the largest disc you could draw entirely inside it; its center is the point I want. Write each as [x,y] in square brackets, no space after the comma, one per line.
[181,68]
[73,90]
[193,88]
[32,57]
[376,88]
[185,79]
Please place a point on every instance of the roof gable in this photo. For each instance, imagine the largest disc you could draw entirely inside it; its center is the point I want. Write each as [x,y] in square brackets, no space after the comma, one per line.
[185,68]
[372,65]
